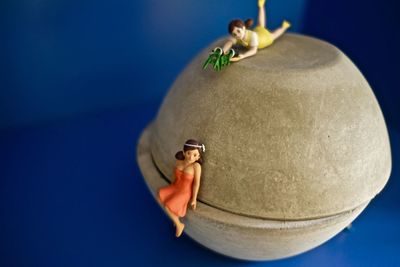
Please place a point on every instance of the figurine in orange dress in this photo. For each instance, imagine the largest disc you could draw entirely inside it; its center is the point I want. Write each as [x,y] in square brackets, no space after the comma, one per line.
[185,187]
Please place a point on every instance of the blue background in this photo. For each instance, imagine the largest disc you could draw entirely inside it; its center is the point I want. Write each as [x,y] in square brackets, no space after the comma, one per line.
[79,80]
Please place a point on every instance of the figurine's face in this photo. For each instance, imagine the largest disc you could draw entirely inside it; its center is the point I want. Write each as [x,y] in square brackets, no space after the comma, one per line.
[238,33]
[192,155]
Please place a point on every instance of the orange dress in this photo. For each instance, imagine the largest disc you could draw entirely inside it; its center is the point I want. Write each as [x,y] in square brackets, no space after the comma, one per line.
[177,195]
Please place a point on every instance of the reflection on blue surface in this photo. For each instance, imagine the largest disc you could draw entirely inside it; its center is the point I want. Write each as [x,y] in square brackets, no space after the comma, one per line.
[71,192]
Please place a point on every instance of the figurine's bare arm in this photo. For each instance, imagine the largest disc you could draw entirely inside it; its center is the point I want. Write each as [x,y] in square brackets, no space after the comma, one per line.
[228,45]
[251,52]
[177,163]
[196,184]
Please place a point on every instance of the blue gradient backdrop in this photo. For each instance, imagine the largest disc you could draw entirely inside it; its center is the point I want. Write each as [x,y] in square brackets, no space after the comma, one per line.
[79,80]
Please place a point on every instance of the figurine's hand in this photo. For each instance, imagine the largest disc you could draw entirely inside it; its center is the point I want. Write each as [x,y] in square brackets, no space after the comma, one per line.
[193,204]
[234,59]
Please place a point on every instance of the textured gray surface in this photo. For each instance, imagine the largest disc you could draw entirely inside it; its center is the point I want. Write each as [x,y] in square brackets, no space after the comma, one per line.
[296,147]
[245,237]
[292,133]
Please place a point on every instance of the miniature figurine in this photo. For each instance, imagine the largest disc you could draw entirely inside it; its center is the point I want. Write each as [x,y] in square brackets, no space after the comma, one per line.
[258,38]
[186,184]
[255,39]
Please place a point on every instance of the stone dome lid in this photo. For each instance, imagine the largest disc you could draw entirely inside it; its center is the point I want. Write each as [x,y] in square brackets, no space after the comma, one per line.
[292,133]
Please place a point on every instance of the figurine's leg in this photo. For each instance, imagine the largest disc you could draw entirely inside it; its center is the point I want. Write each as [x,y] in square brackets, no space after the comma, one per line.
[178,225]
[278,32]
[172,216]
[261,14]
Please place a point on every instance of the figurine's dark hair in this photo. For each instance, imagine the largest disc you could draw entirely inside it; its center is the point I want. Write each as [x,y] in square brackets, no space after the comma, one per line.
[240,24]
[179,155]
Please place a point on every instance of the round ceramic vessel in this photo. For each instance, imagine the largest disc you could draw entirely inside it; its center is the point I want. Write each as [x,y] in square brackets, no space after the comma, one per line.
[296,147]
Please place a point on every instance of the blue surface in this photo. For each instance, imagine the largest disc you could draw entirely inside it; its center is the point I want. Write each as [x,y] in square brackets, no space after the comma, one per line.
[79,80]
[72,195]
[60,59]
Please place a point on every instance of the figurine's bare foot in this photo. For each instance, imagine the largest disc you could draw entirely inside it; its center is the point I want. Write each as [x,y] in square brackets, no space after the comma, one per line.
[286,24]
[261,3]
[179,229]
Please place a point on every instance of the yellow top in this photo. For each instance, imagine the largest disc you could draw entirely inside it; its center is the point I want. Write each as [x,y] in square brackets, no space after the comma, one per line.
[247,41]
[259,37]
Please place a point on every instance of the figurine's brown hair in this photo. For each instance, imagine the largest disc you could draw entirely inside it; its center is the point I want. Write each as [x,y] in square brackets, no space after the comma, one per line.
[240,24]
[179,155]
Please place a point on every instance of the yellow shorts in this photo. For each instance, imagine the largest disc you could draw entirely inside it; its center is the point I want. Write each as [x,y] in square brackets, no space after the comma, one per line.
[264,37]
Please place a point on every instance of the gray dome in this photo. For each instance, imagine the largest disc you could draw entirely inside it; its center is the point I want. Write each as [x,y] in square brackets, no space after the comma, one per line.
[292,133]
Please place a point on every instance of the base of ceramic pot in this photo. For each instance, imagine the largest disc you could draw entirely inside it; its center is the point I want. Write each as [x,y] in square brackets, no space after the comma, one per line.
[243,237]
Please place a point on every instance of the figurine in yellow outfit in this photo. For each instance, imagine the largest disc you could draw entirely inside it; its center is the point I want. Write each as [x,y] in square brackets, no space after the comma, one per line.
[254,39]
